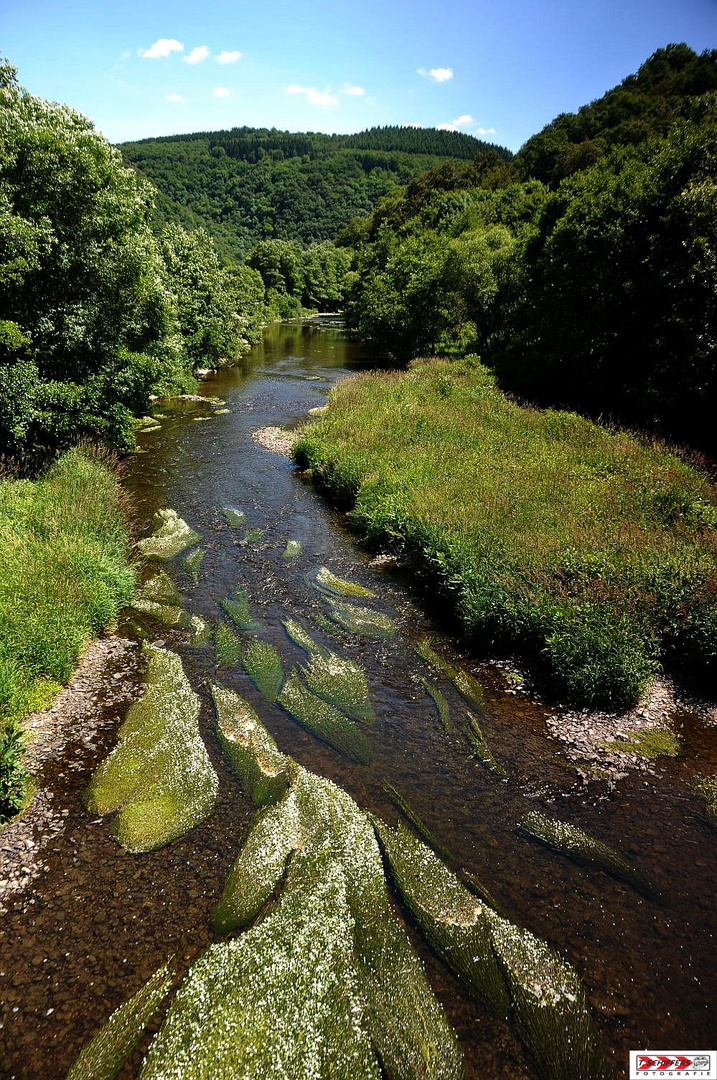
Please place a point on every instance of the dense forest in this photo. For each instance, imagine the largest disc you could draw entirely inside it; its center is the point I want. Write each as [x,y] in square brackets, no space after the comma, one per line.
[250,184]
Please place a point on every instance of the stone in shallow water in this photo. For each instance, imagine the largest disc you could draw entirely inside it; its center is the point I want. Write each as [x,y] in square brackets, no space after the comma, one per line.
[327,582]
[362,620]
[227,644]
[578,845]
[340,682]
[326,983]
[201,630]
[192,563]
[253,535]
[444,712]
[234,516]
[301,637]
[465,683]
[481,748]
[113,1045]
[263,666]
[159,776]
[515,973]
[325,721]
[255,757]
[170,537]
[236,607]
[292,550]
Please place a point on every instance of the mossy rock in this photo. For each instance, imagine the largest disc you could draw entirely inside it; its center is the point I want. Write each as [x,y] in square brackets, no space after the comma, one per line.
[326,582]
[340,682]
[110,1049]
[227,644]
[234,516]
[705,788]
[418,823]
[262,664]
[292,550]
[361,620]
[200,629]
[252,536]
[442,706]
[465,683]
[171,536]
[296,633]
[481,748]
[326,983]
[159,777]
[192,563]
[515,973]
[578,845]
[325,721]
[236,606]
[263,770]
[648,743]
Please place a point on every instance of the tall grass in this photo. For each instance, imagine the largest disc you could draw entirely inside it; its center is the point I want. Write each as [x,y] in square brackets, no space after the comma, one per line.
[64,574]
[585,548]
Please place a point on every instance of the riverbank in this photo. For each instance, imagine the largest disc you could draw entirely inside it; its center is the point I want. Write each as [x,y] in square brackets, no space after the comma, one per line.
[587,551]
[64,575]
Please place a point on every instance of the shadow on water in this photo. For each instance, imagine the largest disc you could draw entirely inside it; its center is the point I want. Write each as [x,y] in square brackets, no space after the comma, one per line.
[102,920]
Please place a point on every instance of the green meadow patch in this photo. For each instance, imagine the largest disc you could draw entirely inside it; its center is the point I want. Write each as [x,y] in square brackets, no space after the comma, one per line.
[586,548]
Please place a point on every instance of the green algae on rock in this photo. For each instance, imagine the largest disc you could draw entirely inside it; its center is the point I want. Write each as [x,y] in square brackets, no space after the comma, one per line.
[418,823]
[481,748]
[234,516]
[159,776]
[251,536]
[705,788]
[444,712]
[192,563]
[361,620]
[227,644]
[262,664]
[325,721]
[327,582]
[340,682]
[255,757]
[516,974]
[647,742]
[578,845]
[105,1055]
[170,537]
[292,550]
[201,630]
[465,683]
[236,607]
[326,983]
[301,637]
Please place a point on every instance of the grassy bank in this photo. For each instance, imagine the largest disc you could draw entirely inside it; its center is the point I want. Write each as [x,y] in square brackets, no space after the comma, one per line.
[545,533]
[64,574]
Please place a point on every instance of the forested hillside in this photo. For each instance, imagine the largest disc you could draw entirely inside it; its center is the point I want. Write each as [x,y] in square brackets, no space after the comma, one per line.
[250,184]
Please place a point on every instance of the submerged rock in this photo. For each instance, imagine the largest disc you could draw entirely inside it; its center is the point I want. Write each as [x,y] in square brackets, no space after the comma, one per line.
[251,536]
[576,844]
[192,563]
[340,682]
[327,582]
[481,748]
[261,767]
[325,721]
[515,973]
[444,712]
[292,550]
[159,776]
[326,984]
[301,637]
[236,607]
[170,537]
[465,683]
[361,620]
[263,666]
[418,823]
[113,1045]
[647,742]
[234,516]
[227,645]
[201,630]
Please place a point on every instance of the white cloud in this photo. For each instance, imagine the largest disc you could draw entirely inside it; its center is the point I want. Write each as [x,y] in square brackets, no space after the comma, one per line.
[162,49]
[437,74]
[446,127]
[461,121]
[221,91]
[313,96]
[199,53]
[175,97]
[485,131]
[226,57]
[354,91]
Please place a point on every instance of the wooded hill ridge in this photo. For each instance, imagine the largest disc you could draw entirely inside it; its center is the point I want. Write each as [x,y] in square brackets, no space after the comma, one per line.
[248,184]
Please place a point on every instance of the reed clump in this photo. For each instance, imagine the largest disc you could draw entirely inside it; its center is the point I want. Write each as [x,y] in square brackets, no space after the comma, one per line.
[584,547]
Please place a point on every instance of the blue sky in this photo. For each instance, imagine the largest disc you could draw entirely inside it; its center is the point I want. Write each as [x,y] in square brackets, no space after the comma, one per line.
[498,69]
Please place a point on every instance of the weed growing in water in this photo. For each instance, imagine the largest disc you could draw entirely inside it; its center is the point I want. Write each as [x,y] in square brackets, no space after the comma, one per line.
[325,721]
[236,607]
[227,644]
[262,664]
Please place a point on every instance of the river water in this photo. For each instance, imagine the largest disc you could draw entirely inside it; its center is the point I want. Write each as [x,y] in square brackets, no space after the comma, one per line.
[102,920]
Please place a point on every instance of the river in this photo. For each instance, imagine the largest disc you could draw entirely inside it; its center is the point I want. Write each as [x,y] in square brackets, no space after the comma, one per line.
[102,921]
